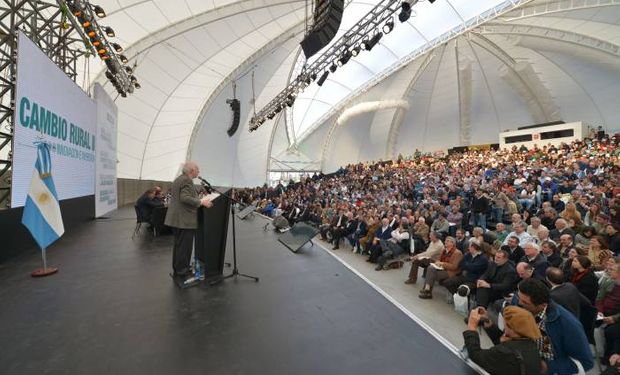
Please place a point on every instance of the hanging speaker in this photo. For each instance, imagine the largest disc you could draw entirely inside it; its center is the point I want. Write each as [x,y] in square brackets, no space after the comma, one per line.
[327,17]
[235,106]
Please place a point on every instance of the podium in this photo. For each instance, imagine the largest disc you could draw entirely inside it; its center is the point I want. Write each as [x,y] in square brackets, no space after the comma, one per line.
[210,242]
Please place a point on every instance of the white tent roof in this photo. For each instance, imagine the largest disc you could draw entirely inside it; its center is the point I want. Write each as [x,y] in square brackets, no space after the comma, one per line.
[545,60]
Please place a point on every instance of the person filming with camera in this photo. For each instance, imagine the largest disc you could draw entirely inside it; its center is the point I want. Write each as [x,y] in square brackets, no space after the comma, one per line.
[515,351]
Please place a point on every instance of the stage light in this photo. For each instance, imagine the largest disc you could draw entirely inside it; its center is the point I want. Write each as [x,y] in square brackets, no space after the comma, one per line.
[308,80]
[431,1]
[109,75]
[322,78]
[117,47]
[133,79]
[346,56]
[123,59]
[405,11]
[102,51]
[333,68]
[90,31]
[99,11]
[313,77]
[372,42]
[355,51]
[388,27]
[105,57]
[86,24]
[109,31]
[137,85]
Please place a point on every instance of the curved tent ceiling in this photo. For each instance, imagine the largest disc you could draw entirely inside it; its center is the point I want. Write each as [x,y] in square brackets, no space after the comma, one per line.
[547,59]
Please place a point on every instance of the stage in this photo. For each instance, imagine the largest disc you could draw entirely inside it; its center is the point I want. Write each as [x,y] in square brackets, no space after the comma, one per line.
[113,309]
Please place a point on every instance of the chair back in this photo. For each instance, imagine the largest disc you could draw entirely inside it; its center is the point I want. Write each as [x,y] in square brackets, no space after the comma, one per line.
[139,218]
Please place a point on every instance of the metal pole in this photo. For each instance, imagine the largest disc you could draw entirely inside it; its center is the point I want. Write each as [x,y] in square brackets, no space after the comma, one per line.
[44,259]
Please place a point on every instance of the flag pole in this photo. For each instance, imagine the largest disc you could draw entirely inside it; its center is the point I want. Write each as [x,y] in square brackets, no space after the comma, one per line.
[45,271]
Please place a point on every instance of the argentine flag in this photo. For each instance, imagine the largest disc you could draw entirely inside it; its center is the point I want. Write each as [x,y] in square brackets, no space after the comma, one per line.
[42,211]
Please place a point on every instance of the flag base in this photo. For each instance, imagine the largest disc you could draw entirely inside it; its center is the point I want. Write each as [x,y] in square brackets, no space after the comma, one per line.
[42,272]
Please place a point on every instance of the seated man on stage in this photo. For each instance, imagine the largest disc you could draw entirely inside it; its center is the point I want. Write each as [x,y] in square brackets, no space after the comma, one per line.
[146,203]
[182,216]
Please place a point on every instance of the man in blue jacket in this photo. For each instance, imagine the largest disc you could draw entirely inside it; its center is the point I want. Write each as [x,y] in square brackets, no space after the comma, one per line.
[563,341]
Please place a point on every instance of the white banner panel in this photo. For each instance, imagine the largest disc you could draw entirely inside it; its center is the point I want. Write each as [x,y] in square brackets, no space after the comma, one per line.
[50,107]
[105,154]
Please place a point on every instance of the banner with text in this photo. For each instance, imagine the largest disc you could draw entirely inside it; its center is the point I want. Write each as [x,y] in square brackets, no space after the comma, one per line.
[51,108]
[105,154]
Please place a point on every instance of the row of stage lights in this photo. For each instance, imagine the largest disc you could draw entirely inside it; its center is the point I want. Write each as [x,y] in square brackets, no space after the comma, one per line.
[118,73]
[304,79]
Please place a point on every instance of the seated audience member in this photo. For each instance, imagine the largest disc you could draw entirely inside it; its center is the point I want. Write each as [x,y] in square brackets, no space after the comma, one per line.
[382,233]
[421,229]
[500,232]
[338,223]
[550,251]
[613,237]
[359,231]
[564,293]
[563,339]
[461,239]
[432,254]
[543,236]
[146,204]
[534,258]
[498,280]
[524,271]
[609,306]
[609,303]
[478,235]
[566,244]
[398,244]
[520,233]
[606,281]
[366,241]
[601,222]
[583,239]
[598,253]
[515,351]
[447,266]
[535,227]
[561,227]
[515,252]
[440,225]
[583,277]
[472,266]
[343,230]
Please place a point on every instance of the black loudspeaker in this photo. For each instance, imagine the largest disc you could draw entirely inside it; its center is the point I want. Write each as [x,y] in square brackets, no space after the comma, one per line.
[235,106]
[298,236]
[249,210]
[327,18]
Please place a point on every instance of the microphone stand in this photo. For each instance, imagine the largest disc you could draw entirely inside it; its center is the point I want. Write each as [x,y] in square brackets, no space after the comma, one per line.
[235,272]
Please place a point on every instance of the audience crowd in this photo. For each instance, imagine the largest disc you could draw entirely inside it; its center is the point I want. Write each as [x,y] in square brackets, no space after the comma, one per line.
[536,228]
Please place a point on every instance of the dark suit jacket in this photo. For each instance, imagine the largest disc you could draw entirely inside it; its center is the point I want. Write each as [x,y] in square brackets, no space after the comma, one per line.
[502,278]
[588,286]
[539,263]
[384,234]
[146,205]
[569,297]
[516,255]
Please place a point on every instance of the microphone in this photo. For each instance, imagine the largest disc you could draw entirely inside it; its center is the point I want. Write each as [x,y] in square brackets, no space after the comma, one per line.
[206,184]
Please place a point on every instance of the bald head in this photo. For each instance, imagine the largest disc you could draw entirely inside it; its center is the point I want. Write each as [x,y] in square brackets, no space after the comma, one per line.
[555,275]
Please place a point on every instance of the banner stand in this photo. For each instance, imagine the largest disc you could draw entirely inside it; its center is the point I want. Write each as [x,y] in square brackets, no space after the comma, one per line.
[45,271]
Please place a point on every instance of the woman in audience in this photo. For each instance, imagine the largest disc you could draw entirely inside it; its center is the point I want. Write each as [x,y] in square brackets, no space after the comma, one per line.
[598,253]
[570,213]
[591,215]
[583,239]
[583,277]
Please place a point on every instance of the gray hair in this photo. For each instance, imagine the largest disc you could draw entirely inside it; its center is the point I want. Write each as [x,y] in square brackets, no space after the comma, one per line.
[187,167]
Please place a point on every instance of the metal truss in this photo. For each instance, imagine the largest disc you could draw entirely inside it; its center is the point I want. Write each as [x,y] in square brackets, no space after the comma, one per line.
[46,24]
[342,49]
[554,35]
[432,44]
[551,7]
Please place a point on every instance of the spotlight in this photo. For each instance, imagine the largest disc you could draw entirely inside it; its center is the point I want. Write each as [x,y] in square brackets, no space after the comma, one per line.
[102,51]
[308,80]
[129,70]
[117,47]
[405,11]
[313,77]
[389,25]
[99,11]
[372,42]
[346,56]
[105,57]
[109,75]
[86,24]
[431,1]
[95,41]
[333,68]
[90,31]
[137,85]
[133,79]
[123,59]
[355,51]
[109,31]
[322,78]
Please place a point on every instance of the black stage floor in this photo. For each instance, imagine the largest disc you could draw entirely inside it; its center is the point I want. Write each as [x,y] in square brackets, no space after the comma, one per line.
[113,309]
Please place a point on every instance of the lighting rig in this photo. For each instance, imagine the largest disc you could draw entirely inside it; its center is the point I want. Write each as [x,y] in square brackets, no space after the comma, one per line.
[364,36]
[84,16]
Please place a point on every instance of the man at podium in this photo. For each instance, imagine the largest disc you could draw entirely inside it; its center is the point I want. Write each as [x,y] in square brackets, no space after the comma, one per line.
[182,216]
